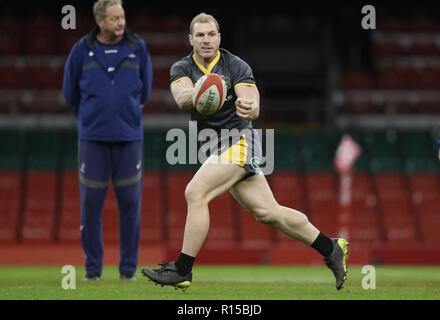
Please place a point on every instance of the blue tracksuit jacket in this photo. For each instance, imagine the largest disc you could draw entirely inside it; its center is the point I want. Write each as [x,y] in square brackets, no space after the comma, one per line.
[106,98]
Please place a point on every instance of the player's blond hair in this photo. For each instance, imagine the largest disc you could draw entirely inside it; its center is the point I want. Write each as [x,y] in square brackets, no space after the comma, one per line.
[203,18]
[100,7]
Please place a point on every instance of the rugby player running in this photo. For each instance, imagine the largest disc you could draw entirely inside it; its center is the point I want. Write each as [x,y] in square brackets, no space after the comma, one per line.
[231,169]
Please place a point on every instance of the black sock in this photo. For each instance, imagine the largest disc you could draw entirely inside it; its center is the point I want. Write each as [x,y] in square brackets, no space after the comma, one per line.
[184,264]
[323,245]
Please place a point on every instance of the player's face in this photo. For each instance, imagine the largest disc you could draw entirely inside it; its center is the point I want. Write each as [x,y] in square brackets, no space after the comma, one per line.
[113,25]
[205,40]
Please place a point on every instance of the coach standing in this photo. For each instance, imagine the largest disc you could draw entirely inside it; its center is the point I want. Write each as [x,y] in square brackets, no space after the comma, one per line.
[107,80]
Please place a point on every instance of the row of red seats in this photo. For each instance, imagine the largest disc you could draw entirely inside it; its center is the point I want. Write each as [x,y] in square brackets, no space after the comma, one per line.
[385,207]
[372,101]
[393,79]
[404,51]
[61,44]
[48,74]
[401,108]
[399,47]
[415,24]
[139,22]
[52,102]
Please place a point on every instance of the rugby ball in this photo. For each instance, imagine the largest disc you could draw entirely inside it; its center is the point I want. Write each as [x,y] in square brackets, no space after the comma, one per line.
[209,94]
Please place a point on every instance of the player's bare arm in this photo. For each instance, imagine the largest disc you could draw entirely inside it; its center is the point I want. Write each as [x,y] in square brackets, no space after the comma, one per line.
[182,91]
[248,102]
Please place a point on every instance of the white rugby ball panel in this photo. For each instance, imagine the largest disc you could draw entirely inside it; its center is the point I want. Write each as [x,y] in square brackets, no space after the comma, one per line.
[209,94]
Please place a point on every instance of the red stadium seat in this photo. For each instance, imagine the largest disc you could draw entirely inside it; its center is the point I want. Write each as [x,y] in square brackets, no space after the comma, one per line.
[425,24]
[394,203]
[360,107]
[356,81]
[40,206]
[11,101]
[423,48]
[45,75]
[41,44]
[394,24]
[386,48]
[221,225]
[149,23]
[288,190]
[151,224]
[140,22]
[70,220]
[161,77]
[66,41]
[391,80]
[11,24]
[166,43]
[83,26]
[9,204]
[17,76]
[160,102]
[11,44]
[254,234]
[40,23]
[365,229]
[175,215]
[45,101]
[425,189]
[322,190]
[110,217]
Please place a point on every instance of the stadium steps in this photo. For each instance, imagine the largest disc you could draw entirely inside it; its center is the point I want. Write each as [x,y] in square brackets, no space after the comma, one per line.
[39,212]
[365,230]
[254,234]
[287,188]
[175,213]
[70,217]
[378,213]
[222,223]
[322,189]
[151,210]
[10,183]
[425,190]
[395,207]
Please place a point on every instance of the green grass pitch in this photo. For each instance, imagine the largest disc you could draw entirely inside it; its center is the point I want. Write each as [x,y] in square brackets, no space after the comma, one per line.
[226,283]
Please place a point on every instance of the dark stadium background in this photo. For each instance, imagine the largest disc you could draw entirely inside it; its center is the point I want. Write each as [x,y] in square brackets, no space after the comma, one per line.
[320,76]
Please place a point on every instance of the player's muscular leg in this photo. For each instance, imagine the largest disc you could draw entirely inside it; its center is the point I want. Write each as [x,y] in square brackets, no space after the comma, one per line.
[213,178]
[255,195]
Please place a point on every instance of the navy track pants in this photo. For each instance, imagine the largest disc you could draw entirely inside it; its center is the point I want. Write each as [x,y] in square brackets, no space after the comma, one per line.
[122,162]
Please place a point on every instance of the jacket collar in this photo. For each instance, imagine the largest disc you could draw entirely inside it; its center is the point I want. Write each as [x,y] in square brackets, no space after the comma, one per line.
[132,39]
